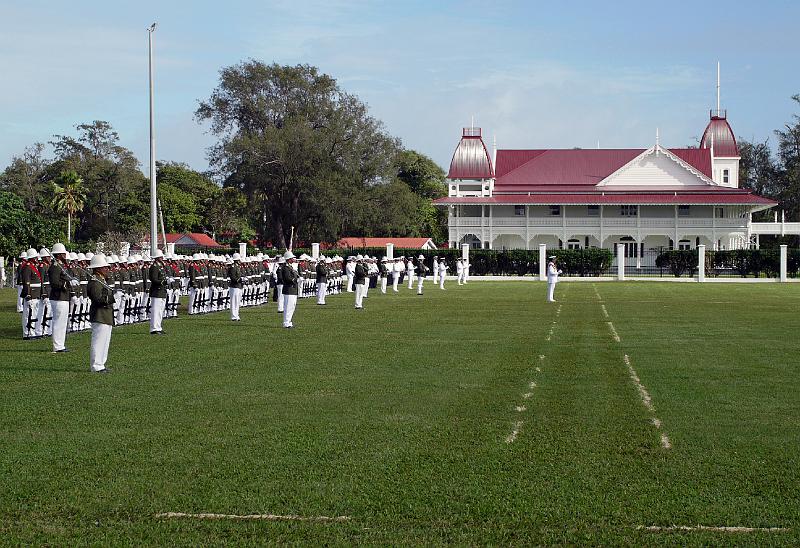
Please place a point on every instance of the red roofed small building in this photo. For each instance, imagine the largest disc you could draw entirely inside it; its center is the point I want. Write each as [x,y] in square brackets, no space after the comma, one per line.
[655,198]
[189,239]
[399,243]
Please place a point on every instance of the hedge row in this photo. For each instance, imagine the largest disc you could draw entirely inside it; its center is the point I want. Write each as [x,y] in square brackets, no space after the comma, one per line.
[744,262]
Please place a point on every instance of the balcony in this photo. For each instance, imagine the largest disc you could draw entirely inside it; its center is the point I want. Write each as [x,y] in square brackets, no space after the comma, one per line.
[613,222]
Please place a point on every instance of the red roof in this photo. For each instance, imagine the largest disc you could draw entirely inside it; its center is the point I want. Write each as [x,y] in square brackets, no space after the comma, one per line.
[524,170]
[724,140]
[727,196]
[470,159]
[189,239]
[414,243]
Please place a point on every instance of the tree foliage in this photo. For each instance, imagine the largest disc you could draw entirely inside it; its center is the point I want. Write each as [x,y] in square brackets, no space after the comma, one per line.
[290,138]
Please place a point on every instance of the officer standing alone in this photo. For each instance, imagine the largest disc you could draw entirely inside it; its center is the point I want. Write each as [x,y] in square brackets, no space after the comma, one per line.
[552,278]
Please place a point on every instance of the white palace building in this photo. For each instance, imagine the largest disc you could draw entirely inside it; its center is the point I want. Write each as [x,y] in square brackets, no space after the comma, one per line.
[654,199]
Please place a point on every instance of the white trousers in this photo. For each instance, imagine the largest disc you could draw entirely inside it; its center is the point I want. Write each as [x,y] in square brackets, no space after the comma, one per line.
[98,352]
[30,310]
[395,279]
[435,275]
[281,302]
[551,286]
[235,294]
[20,301]
[349,283]
[321,290]
[461,277]
[383,285]
[359,295]
[441,281]
[119,301]
[156,313]
[421,279]
[42,314]
[366,288]
[410,276]
[60,317]
[192,297]
[289,304]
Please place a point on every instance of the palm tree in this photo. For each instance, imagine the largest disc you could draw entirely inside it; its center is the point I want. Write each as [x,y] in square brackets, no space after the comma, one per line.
[69,195]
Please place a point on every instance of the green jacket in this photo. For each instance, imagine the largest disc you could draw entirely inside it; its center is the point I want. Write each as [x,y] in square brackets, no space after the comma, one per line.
[102,298]
[290,277]
[158,281]
[59,282]
[235,276]
[322,273]
[360,274]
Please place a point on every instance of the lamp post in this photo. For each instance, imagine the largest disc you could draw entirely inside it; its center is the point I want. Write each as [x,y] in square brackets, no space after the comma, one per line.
[153,192]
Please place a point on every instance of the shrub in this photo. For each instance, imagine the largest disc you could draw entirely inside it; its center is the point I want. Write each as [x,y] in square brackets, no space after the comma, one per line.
[678,261]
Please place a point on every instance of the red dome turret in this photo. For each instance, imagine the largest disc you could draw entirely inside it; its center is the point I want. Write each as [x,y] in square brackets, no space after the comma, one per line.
[471,159]
[723,139]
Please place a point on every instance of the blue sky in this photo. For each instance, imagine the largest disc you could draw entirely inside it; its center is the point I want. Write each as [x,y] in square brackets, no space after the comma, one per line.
[535,74]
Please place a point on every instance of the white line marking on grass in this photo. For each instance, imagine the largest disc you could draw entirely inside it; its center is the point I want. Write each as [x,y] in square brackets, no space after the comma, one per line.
[613,331]
[532,384]
[538,370]
[722,529]
[646,400]
[541,357]
[520,408]
[514,433]
[605,312]
[527,395]
[266,517]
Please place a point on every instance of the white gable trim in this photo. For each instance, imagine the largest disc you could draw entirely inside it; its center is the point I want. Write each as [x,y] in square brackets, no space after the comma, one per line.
[658,149]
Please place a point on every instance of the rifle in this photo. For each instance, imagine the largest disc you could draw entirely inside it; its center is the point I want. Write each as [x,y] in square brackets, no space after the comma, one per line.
[30,324]
[45,318]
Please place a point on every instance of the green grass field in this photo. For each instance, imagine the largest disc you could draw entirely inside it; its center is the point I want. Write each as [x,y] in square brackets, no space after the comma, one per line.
[401,417]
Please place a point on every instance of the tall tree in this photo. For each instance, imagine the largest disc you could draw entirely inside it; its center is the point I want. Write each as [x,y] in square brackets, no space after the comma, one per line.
[290,134]
[789,157]
[69,195]
[26,177]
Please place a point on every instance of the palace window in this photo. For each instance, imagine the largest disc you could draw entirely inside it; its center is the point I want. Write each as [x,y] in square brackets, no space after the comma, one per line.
[684,245]
[628,210]
[555,210]
[630,246]
[683,211]
[593,210]
[719,212]
[519,210]
[573,244]
[726,176]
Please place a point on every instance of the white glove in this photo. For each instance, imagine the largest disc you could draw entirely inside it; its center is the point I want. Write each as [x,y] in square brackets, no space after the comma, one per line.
[73,299]
[171,279]
[74,283]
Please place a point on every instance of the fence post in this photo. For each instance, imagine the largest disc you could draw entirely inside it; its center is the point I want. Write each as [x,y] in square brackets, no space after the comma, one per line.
[620,261]
[542,262]
[315,251]
[170,251]
[2,271]
[701,263]
[784,254]
[389,252]
[242,249]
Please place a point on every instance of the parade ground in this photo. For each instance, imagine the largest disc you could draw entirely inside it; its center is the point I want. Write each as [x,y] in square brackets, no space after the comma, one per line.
[625,413]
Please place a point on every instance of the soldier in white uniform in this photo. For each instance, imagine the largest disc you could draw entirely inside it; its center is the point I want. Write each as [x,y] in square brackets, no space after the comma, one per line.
[460,271]
[397,268]
[410,273]
[552,278]
[435,269]
[350,269]
[442,272]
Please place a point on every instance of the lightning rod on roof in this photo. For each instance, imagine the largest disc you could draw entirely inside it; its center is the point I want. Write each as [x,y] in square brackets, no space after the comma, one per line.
[472,122]
[657,141]
[717,88]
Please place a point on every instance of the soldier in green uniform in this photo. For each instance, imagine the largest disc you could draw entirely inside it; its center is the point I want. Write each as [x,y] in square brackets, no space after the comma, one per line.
[359,281]
[235,285]
[31,282]
[290,278]
[322,271]
[158,292]
[62,284]
[101,313]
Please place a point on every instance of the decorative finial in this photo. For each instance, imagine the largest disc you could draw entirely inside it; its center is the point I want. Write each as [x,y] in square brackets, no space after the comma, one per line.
[717,88]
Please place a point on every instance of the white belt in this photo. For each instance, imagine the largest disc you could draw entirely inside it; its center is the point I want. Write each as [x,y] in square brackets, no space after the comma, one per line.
[36,285]
[84,282]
